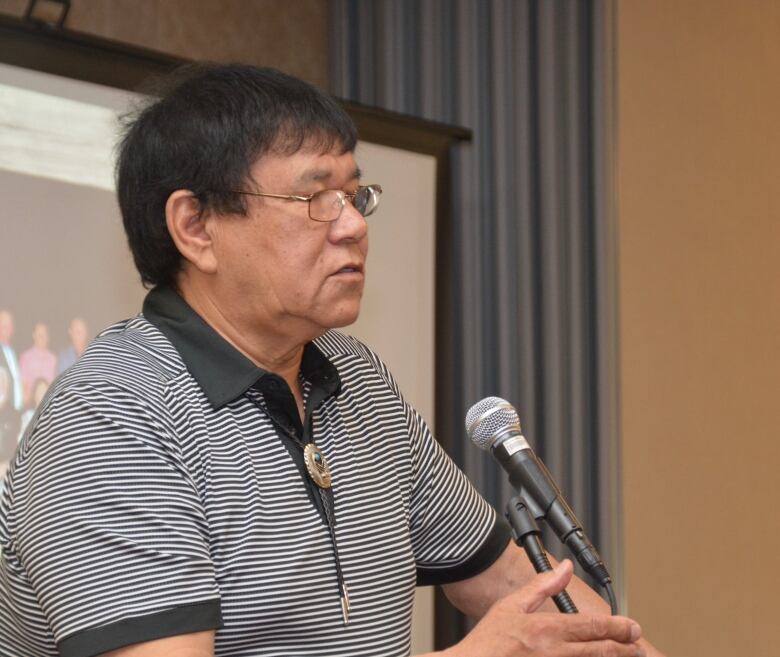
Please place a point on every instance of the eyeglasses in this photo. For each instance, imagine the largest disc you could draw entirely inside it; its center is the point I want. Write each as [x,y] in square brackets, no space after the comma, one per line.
[326,205]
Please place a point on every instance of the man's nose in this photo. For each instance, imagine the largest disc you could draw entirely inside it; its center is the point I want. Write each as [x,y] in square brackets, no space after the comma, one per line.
[351,225]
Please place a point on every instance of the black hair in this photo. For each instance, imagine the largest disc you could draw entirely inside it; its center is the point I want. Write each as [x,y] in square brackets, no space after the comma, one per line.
[206,127]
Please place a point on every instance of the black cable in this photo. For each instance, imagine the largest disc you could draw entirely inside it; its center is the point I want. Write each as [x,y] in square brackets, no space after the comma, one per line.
[541,563]
[526,535]
[612,600]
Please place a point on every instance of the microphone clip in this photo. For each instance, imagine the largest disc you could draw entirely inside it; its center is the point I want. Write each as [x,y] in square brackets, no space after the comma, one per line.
[527,534]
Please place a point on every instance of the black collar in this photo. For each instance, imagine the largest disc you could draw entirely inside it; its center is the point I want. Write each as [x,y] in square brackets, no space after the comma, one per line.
[223,372]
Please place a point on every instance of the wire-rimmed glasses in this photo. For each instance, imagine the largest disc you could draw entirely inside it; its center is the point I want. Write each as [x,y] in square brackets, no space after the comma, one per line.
[326,205]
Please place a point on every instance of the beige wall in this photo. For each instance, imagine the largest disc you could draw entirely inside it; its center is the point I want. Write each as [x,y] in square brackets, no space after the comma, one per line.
[291,35]
[699,222]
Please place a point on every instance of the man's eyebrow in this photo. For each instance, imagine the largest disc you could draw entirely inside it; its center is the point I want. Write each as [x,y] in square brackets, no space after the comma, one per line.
[315,175]
[320,175]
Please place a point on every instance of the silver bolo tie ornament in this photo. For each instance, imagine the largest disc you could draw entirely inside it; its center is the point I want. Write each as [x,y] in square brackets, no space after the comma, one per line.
[316,465]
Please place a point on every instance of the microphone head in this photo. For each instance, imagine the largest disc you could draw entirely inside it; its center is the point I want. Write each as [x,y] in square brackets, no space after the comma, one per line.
[490,418]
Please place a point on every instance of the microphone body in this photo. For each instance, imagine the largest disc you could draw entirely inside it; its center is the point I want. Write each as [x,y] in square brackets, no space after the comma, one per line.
[545,501]
[493,424]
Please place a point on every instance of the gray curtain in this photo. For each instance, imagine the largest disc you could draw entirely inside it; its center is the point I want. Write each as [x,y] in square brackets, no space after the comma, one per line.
[530,311]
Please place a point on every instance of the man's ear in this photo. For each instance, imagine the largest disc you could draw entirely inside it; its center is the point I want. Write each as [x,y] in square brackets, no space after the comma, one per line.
[189,229]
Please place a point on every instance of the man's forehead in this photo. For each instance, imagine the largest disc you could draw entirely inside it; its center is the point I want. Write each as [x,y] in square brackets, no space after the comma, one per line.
[305,166]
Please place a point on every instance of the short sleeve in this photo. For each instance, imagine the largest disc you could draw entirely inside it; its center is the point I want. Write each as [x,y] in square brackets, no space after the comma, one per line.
[456,534]
[108,524]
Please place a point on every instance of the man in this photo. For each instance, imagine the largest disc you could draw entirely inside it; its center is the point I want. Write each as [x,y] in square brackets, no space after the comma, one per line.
[37,362]
[9,423]
[78,336]
[8,358]
[11,393]
[227,475]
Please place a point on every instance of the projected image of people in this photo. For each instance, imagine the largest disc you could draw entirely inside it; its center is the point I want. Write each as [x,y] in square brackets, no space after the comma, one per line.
[25,380]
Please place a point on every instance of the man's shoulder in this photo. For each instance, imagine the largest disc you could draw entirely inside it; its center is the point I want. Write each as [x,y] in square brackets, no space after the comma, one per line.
[334,344]
[346,351]
[121,377]
[130,354]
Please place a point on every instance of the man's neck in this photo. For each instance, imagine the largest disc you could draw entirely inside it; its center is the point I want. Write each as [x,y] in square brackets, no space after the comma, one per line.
[267,348]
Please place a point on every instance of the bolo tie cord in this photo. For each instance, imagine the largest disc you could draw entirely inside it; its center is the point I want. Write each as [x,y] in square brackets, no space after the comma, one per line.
[326,496]
[327,503]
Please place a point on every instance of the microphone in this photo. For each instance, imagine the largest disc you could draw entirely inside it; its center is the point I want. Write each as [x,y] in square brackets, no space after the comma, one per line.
[493,425]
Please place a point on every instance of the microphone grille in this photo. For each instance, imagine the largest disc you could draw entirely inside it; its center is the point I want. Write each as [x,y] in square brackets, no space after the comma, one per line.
[488,418]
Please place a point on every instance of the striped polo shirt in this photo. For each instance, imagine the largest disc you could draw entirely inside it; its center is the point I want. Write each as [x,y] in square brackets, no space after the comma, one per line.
[161,490]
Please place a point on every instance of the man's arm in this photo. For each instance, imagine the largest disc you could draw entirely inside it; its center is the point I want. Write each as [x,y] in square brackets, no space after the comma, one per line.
[198,644]
[511,571]
[509,629]
[504,597]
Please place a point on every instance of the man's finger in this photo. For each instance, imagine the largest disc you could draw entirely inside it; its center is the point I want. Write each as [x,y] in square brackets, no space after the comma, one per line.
[543,586]
[593,627]
[603,649]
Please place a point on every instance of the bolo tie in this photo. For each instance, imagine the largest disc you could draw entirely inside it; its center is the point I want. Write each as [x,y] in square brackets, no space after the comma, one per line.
[319,473]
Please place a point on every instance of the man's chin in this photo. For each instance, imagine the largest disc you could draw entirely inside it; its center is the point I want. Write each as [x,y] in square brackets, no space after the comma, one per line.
[346,321]
[344,317]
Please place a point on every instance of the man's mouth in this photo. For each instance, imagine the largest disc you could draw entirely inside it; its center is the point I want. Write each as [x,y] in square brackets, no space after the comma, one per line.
[351,269]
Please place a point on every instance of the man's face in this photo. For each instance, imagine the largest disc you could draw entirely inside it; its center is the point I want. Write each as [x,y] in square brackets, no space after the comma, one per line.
[6,327]
[283,271]
[78,333]
[40,336]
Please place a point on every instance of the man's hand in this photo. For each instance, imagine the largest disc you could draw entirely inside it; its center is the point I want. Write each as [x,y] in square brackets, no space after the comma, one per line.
[510,629]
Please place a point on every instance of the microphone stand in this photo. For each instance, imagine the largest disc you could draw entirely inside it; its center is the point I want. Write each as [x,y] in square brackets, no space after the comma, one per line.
[526,534]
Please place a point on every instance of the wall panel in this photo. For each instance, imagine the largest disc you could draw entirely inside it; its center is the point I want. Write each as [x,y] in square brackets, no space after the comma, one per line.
[290,35]
[699,223]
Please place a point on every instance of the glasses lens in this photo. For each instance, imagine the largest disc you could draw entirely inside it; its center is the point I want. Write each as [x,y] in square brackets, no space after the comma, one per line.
[367,199]
[326,205]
